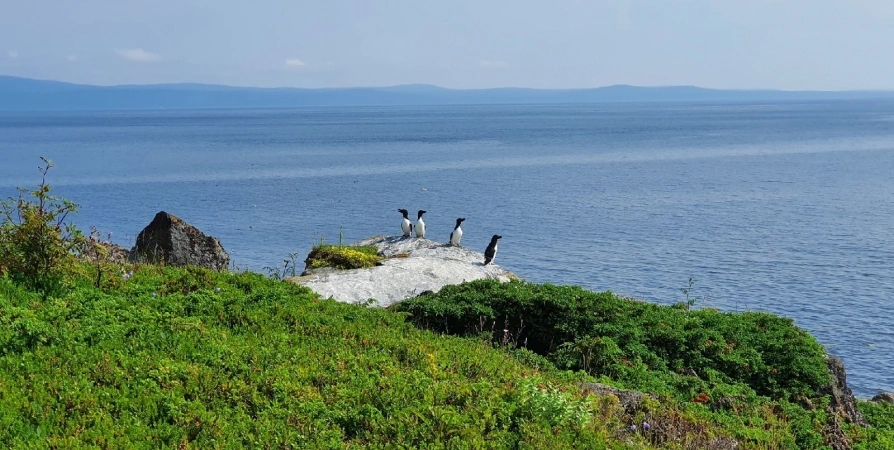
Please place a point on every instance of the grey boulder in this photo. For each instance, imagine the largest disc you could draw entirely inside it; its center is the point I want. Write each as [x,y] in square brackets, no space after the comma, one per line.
[169,240]
[884,397]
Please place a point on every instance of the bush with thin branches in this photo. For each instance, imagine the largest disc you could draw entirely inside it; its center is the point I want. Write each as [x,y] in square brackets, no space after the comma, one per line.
[37,242]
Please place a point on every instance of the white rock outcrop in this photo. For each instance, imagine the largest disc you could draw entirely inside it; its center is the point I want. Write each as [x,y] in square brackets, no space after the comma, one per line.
[412,266]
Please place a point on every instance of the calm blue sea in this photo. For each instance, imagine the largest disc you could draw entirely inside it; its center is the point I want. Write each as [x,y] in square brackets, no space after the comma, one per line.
[782,207]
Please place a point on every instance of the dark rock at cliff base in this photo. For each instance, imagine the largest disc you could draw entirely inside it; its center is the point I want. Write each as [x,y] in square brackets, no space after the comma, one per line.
[884,397]
[171,241]
[843,402]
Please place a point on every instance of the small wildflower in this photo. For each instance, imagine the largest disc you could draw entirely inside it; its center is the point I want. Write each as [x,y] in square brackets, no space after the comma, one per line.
[154,294]
[632,427]
[216,289]
[646,426]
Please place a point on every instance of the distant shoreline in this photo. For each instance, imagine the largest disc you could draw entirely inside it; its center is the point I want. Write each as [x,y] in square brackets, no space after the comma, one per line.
[25,94]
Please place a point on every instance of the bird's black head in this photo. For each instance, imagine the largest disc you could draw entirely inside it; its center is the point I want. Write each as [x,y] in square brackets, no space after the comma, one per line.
[496,236]
[460,220]
[404,212]
[421,212]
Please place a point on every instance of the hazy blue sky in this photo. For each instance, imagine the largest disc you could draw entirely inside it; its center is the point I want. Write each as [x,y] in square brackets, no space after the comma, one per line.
[789,44]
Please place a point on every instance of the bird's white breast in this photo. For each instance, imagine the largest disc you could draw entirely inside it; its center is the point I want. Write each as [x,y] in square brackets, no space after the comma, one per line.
[457,235]
[420,228]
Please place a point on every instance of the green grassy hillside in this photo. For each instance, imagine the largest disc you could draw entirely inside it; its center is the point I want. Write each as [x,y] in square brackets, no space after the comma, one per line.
[192,358]
[189,358]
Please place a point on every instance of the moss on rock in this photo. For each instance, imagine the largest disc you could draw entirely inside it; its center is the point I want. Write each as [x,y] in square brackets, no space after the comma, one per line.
[342,257]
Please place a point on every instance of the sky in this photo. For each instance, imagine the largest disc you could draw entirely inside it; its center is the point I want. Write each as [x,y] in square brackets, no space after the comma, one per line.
[741,44]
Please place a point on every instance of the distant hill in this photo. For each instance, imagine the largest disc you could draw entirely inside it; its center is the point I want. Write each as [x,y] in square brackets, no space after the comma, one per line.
[23,94]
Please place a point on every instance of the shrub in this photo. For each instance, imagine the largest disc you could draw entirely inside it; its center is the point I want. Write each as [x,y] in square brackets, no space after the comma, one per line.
[688,351]
[342,257]
[751,372]
[37,243]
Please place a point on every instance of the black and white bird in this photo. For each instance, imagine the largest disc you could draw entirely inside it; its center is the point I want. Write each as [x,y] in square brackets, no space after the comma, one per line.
[420,224]
[491,251]
[457,234]
[405,225]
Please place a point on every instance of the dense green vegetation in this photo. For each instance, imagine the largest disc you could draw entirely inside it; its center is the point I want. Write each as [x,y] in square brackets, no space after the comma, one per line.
[172,356]
[643,345]
[728,368]
[96,353]
[342,256]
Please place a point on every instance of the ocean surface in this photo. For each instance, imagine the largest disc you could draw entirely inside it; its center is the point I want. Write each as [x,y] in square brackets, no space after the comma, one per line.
[780,207]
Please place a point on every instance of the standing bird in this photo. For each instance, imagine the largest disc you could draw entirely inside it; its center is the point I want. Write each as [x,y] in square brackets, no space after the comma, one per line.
[420,225]
[491,251]
[457,234]
[405,225]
